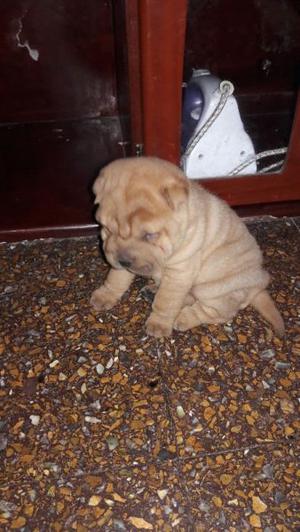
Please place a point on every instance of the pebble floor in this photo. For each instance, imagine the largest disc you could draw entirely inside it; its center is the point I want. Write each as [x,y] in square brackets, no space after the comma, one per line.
[104,428]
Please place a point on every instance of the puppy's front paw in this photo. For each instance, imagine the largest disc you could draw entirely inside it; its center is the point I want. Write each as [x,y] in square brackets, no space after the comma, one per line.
[103,299]
[183,321]
[155,326]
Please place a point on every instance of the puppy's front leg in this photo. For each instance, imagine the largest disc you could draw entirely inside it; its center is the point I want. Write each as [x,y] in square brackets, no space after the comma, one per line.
[115,285]
[166,305]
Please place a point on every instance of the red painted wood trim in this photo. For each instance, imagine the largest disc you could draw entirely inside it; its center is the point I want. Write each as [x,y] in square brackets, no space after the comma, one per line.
[134,72]
[31,233]
[278,209]
[162,40]
[162,32]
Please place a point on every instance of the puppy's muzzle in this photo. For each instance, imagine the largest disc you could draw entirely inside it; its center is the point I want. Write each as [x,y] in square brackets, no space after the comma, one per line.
[124,260]
[125,263]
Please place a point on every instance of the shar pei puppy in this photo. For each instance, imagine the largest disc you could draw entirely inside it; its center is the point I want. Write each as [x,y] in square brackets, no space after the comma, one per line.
[157,224]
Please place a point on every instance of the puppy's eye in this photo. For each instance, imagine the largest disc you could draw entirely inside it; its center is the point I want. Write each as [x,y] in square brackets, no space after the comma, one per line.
[150,237]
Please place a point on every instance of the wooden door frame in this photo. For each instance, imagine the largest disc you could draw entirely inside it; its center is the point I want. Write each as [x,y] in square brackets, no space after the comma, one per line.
[161,43]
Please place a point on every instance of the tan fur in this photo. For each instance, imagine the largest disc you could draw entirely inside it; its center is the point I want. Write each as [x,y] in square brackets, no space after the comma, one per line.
[158,224]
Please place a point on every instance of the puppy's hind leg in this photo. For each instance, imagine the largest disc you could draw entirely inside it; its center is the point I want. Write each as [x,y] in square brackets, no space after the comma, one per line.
[197,314]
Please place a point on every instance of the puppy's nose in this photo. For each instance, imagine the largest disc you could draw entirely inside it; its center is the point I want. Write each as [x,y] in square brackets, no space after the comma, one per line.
[125,263]
[124,260]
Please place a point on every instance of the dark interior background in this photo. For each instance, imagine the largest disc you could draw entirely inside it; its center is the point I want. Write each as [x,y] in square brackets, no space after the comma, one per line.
[59,115]
[64,109]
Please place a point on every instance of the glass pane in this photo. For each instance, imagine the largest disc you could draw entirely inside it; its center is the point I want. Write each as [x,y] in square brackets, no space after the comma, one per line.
[255,46]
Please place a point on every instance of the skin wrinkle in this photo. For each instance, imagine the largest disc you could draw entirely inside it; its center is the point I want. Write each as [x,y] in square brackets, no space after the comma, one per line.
[204,261]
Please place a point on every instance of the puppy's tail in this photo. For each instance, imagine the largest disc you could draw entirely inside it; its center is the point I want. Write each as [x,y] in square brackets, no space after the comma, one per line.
[267,308]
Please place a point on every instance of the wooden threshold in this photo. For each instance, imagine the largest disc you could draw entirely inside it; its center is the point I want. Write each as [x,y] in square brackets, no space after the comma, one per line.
[290,209]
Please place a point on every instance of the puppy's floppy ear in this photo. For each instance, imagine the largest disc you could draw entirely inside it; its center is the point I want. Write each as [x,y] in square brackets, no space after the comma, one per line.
[98,188]
[175,193]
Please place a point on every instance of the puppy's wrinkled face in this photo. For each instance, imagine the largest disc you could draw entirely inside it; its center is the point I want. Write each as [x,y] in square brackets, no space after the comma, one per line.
[139,212]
